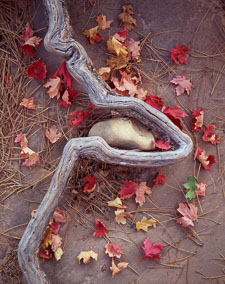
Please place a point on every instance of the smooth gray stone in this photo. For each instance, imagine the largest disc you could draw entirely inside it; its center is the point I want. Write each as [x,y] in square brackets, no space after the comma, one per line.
[124,133]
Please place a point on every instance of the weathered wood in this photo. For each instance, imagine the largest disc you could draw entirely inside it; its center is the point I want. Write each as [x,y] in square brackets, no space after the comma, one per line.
[59,40]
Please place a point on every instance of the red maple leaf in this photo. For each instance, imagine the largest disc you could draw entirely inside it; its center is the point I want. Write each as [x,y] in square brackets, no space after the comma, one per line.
[129,190]
[161,145]
[68,97]
[152,250]
[189,213]
[210,136]
[37,70]
[91,185]
[154,101]
[80,116]
[179,54]
[198,114]
[30,40]
[101,229]
[204,159]
[55,227]
[28,33]
[64,74]
[159,179]
[121,35]
[27,50]
[96,37]
[174,112]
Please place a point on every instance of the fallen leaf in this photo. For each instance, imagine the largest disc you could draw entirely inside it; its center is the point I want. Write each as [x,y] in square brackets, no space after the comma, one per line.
[116,47]
[210,136]
[144,224]
[198,115]
[56,242]
[87,256]
[127,19]
[117,62]
[201,189]
[125,84]
[113,250]
[121,35]
[161,145]
[68,97]
[189,213]
[59,215]
[204,159]
[175,112]
[93,35]
[105,72]
[55,87]
[121,216]
[63,73]
[140,193]
[58,254]
[28,33]
[154,101]
[103,24]
[30,41]
[52,134]
[116,203]
[120,267]
[47,239]
[79,117]
[32,159]
[179,54]
[27,50]
[159,179]
[55,227]
[101,229]
[37,70]
[28,103]
[45,253]
[91,185]
[183,84]
[152,250]
[141,94]
[133,48]
[191,186]
[129,190]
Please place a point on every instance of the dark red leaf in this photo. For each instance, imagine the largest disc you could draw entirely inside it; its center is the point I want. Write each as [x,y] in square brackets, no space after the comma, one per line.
[28,33]
[64,74]
[129,190]
[79,117]
[152,250]
[210,136]
[159,179]
[154,101]
[101,229]
[72,94]
[55,227]
[37,70]
[179,54]
[164,146]
[97,37]
[204,159]
[198,114]
[45,253]
[90,186]
[27,50]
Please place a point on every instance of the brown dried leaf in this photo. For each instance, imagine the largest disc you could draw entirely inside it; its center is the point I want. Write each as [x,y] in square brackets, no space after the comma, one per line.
[116,269]
[127,19]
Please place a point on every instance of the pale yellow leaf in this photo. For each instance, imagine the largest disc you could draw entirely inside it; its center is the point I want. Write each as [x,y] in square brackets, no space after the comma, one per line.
[87,256]
[58,254]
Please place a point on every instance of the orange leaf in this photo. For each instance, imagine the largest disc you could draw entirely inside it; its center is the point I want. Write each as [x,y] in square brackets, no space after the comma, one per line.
[52,134]
[103,24]
[55,86]
[28,103]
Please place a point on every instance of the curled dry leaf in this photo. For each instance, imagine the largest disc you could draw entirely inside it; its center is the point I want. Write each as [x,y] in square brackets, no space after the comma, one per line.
[145,223]
[91,185]
[121,216]
[37,70]
[127,19]
[28,103]
[79,117]
[210,136]
[58,254]
[101,229]
[116,47]
[152,250]
[204,159]
[183,84]
[179,54]
[159,179]
[59,215]
[198,115]
[113,250]
[142,189]
[45,253]
[52,134]
[116,203]
[103,24]
[87,256]
[117,268]
[161,145]
[189,213]
[56,242]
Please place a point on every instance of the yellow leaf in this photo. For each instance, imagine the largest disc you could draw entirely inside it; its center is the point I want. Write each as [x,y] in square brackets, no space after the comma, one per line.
[117,268]
[87,256]
[116,47]
[144,224]
[91,32]
[58,254]
[117,62]
[116,203]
